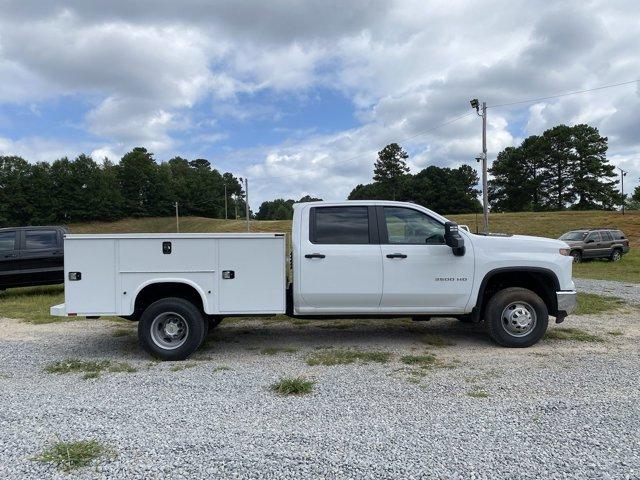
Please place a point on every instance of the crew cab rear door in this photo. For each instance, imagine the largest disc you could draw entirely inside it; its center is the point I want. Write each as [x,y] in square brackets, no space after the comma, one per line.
[421,274]
[340,260]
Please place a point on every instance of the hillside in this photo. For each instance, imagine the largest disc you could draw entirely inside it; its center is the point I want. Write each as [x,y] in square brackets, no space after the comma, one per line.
[546,224]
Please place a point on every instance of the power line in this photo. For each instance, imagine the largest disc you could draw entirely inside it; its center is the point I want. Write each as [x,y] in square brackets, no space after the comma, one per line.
[406,139]
[532,100]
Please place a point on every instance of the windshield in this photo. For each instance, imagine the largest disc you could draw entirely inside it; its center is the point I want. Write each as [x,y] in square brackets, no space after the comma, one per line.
[574,236]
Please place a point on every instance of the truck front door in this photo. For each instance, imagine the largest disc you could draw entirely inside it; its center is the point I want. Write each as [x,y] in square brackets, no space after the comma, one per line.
[340,260]
[420,271]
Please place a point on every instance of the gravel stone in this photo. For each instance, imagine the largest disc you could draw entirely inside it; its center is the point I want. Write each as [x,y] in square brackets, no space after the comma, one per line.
[629,292]
[557,410]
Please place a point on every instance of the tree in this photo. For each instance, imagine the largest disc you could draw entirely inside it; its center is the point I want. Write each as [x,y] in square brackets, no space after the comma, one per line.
[592,173]
[565,167]
[280,209]
[390,167]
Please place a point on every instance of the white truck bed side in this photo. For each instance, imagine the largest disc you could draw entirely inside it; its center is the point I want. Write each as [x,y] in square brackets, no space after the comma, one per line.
[115,268]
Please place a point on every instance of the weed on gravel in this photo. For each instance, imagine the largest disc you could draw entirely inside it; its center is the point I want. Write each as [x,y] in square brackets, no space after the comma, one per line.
[182,366]
[293,386]
[277,350]
[427,361]
[436,340]
[122,332]
[90,368]
[616,333]
[572,334]
[221,368]
[330,357]
[68,456]
[477,394]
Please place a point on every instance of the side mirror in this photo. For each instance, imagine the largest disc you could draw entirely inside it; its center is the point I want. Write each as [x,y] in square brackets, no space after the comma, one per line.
[453,238]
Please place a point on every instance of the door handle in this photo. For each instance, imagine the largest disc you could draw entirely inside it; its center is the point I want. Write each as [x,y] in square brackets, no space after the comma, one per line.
[396,255]
[314,255]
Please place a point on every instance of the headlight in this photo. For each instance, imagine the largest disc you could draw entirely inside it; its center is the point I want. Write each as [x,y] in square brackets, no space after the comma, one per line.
[565,251]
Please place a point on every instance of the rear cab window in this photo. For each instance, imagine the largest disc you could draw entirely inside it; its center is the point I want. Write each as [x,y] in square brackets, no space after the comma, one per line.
[340,225]
[7,240]
[40,239]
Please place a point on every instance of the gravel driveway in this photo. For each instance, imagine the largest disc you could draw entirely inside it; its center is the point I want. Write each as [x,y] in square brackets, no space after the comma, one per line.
[560,409]
[629,292]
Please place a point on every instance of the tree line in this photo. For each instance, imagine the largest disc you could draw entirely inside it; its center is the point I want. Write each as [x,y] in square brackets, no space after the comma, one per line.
[565,167]
[78,190]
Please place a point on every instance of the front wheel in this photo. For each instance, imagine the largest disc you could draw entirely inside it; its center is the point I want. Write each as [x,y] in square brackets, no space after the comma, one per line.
[171,329]
[516,317]
[577,256]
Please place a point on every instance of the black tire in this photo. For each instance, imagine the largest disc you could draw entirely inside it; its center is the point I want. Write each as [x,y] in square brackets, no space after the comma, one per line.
[515,300]
[214,321]
[183,313]
[616,255]
[577,256]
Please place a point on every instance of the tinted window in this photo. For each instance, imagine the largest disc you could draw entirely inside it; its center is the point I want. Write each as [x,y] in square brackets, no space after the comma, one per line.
[7,240]
[407,226]
[606,236]
[595,236]
[38,239]
[341,225]
[618,235]
[574,236]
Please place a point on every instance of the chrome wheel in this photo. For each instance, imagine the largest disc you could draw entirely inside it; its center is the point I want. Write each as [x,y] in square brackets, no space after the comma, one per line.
[577,257]
[169,330]
[519,319]
[616,256]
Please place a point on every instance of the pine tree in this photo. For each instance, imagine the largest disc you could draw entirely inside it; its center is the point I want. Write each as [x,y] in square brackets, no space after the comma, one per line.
[391,167]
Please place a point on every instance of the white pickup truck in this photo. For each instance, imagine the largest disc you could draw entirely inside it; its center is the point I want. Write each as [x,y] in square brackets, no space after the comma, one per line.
[356,258]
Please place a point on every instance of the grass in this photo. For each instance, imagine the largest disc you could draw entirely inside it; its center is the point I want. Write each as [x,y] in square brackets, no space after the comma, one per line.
[436,340]
[572,334]
[615,333]
[277,350]
[425,361]
[293,386]
[330,357]
[122,332]
[182,366]
[221,368]
[68,456]
[626,270]
[477,394]
[90,368]
[591,304]
[32,303]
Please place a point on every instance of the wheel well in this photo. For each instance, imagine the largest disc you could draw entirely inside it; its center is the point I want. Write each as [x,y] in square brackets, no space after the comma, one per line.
[543,283]
[157,291]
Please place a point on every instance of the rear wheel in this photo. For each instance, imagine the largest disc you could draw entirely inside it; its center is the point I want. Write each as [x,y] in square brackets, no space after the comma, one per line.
[516,317]
[616,255]
[577,256]
[171,329]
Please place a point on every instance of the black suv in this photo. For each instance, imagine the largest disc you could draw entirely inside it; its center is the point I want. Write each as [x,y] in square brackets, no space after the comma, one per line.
[31,256]
[596,243]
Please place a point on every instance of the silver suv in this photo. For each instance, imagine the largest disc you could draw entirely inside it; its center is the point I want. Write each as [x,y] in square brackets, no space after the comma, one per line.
[596,243]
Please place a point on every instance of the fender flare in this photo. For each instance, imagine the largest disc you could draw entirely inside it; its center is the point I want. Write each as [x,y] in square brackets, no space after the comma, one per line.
[157,281]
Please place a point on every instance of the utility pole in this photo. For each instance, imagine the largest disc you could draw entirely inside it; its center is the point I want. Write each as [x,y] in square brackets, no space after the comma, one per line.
[246,200]
[483,157]
[623,174]
[225,202]
[177,219]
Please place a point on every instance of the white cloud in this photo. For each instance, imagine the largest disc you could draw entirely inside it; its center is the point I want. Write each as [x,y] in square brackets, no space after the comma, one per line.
[406,65]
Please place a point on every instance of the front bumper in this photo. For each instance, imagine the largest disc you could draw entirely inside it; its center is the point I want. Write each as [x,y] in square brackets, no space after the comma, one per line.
[567,302]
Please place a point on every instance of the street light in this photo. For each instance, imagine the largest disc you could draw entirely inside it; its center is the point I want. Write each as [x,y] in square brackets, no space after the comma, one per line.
[623,174]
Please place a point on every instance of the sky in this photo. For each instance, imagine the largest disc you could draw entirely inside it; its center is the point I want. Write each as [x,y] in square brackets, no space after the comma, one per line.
[299,96]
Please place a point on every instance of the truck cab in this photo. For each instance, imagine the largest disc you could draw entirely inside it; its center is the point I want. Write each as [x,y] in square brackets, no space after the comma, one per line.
[349,259]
